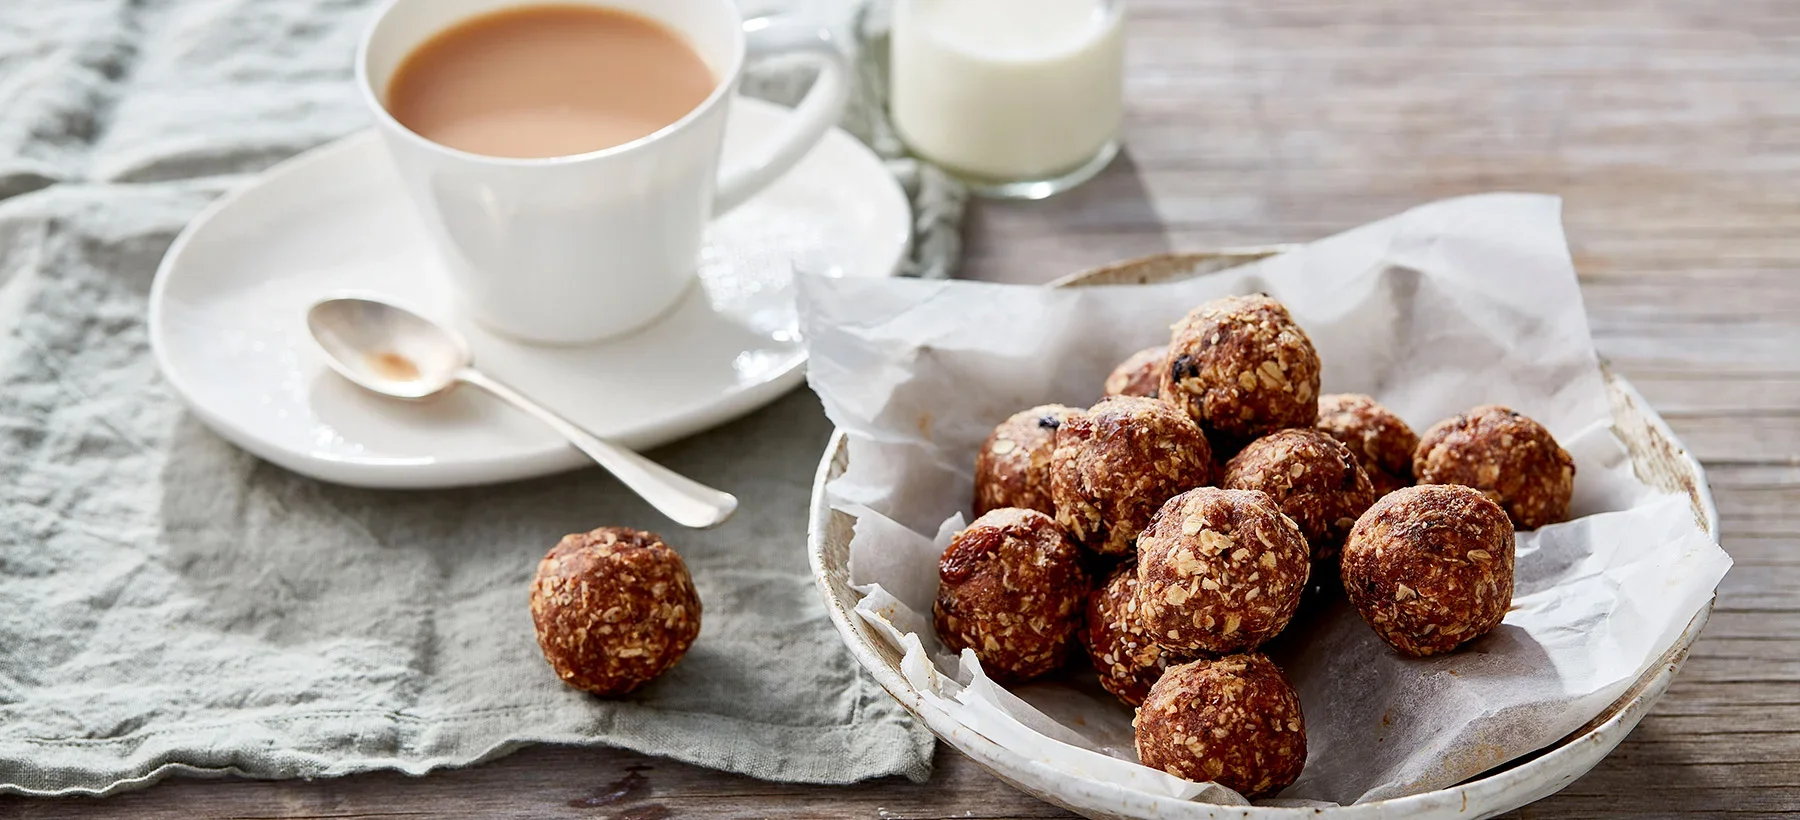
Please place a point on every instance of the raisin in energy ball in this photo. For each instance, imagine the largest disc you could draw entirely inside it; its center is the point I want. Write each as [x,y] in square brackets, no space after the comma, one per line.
[1117,462]
[1127,660]
[1381,440]
[1312,477]
[1241,368]
[1234,721]
[614,608]
[1011,587]
[1504,454]
[1431,567]
[1138,375]
[1013,467]
[1219,571]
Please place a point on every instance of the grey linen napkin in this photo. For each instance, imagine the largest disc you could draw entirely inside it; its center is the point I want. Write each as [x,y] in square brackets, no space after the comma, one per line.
[170,603]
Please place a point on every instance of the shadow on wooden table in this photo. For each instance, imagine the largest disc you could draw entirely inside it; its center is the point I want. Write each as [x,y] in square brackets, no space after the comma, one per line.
[1110,218]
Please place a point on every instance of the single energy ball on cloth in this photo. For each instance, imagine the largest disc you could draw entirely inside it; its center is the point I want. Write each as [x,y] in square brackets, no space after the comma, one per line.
[1012,469]
[1235,721]
[1431,567]
[1381,440]
[1241,368]
[1504,454]
[1139,374]
[1116,463]
[614,608]
[1219,571]
[1011,587]
[1312,477]
[1121,651]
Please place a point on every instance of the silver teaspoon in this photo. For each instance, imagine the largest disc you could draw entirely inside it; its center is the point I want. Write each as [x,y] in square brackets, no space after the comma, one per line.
[394,352]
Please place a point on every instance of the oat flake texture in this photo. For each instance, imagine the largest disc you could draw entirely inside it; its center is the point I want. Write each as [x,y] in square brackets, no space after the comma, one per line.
[614,608]
[1219,571]
[1115,464]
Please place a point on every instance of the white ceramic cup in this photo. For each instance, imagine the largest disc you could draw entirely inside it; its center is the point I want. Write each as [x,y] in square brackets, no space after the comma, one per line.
[573,249]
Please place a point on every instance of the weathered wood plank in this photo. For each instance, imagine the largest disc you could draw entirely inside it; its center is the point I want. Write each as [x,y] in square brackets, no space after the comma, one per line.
[550,782]
[1764,551]
[1718,394]
[1758,500]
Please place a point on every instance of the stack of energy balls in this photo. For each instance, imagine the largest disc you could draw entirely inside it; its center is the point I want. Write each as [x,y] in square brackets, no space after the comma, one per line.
[1175,526]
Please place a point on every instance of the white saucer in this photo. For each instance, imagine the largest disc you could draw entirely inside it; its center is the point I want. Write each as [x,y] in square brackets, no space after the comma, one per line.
[226,318]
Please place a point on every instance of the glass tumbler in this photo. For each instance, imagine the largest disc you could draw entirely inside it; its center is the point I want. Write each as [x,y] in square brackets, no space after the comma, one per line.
[1020,98]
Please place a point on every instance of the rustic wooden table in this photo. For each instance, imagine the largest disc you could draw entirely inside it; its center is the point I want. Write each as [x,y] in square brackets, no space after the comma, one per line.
[1672,130]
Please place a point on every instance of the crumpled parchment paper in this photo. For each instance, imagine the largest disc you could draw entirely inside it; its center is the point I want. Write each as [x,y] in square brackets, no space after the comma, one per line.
[1450,305]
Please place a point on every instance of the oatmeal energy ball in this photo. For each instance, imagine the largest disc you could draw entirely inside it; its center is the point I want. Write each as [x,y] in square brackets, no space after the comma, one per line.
[1234,721]
[1312,477]
[1504,454]
[1011,587]
[614,608]
[1381,440]
[1127,660]
[1431,567]
[1117,462]
[1241,368]
[1013,467]
[1139,374]
[1219,571]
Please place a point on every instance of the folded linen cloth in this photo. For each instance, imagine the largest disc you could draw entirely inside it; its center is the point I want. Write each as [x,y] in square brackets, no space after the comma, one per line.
[169,603]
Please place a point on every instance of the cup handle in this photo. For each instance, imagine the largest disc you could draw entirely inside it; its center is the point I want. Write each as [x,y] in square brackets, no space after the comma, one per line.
[821,109]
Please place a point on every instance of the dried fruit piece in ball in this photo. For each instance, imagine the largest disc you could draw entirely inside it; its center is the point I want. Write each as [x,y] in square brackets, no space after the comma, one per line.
[613,608]
[1381,440]
[1139,374]
[1235,721]
[1219,571]
[1312,477]
[1504,454]
[1431,567]
[1012,469]
[1242,368]
[1116,642]
[1117,462]
[1011,587]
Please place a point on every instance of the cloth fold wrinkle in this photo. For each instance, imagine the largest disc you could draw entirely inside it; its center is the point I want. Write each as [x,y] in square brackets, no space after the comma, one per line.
[169,603]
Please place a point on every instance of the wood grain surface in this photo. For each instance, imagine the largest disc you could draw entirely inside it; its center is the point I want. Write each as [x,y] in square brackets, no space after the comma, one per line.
[1673,132]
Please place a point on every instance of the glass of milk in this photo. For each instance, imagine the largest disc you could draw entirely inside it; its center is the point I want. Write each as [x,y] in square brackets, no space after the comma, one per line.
[1021,98]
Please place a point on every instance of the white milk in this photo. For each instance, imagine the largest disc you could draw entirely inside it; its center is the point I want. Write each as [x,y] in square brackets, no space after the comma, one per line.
[1008,89]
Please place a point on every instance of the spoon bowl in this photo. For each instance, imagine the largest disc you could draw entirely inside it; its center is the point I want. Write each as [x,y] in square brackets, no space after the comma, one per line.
[386,348]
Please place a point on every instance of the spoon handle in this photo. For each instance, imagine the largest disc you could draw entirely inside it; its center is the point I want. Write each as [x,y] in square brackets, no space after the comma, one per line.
[685,501]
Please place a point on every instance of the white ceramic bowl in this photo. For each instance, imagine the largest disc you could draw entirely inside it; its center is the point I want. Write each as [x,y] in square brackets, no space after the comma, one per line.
[1657,455]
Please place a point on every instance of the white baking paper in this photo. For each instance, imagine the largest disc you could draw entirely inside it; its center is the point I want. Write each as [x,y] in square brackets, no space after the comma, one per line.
[1450,305]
